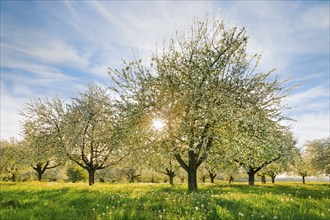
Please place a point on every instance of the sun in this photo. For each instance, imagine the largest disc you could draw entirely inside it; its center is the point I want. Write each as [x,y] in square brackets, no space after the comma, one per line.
[158,124]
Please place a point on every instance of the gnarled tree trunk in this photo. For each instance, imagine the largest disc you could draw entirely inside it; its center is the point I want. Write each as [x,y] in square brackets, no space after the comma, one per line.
[40,170]
[190,168]
[171,174]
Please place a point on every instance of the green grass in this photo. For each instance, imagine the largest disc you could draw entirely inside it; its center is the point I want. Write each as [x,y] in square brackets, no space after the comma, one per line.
[37,200]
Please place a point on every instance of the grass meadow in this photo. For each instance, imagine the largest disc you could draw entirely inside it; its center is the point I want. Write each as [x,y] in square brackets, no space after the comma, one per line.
[50,200]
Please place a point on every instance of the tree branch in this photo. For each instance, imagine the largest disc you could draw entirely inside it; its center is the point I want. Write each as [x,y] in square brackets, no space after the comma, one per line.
[77,162]
[52,167]
[181,162]
[267,162]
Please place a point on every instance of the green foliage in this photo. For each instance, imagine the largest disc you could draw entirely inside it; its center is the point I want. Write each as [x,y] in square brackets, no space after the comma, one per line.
[301,165]
[41,128]
[89,125]
[151,176]
[12,160]
[90,121]
[75,174]
[109,174]
[42,121]
[255,149]
[85,130]
[161,201]
[318,154]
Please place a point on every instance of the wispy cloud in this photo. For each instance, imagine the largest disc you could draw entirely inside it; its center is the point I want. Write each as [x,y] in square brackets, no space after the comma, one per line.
[311,112]
[281,31]
[9,114]
[312,126]
[310,96]
[54,52]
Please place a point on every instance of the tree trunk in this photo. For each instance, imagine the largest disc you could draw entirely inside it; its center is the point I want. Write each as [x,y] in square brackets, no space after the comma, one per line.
[91,180]
[273,179]
[303,178]
[171,177]
[39,175]
[171,174]
[39,170]
[231,179]
[251,178]
[130,178]
[191,169]
[13,177]
[263,179]
[192,179]
[212,177]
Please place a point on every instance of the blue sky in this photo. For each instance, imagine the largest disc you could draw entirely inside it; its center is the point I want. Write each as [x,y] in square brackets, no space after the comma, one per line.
[51,48]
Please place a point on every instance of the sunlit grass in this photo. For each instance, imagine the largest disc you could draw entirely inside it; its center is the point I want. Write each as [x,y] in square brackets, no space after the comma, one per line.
[160,201]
